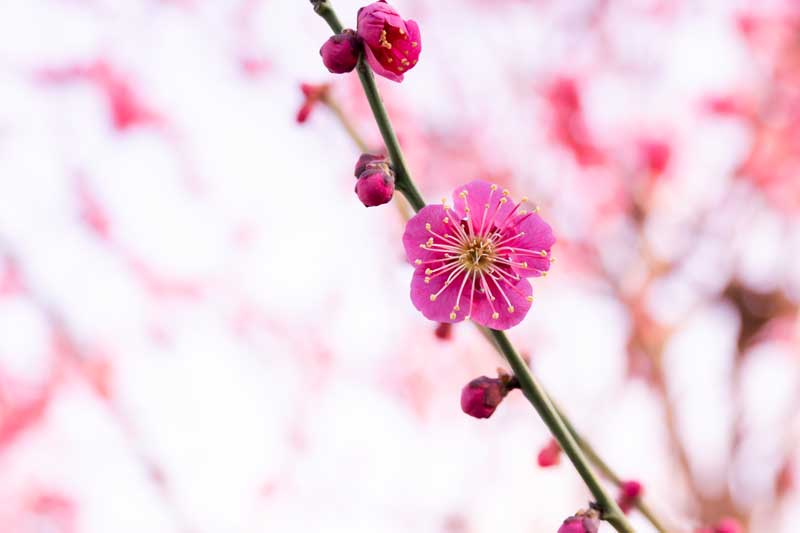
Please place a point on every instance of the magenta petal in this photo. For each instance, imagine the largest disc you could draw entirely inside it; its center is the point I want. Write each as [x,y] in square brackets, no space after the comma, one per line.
[538,238]
[414,36]
[369,29]
[538,233]
[440,309]
[517,295]
[416,234]
[479,194]
[378,68]
[536,265]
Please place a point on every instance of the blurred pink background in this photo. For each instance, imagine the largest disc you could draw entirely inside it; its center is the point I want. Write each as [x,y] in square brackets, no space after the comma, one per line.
[202,330]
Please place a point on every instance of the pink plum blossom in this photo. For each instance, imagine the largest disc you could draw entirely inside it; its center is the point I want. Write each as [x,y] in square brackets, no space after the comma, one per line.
[472,259]
[392,45]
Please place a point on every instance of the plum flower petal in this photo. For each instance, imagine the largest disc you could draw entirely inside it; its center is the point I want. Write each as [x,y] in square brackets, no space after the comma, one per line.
[416,233]
[471,259]
[479,198]
[533,255]
[515,304]
[440,309]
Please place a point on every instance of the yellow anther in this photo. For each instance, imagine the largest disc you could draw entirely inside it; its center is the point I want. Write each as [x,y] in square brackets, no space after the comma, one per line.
[505,192]
[536,209]
[510,308]
[463,194]
[417,261]
[433,297]
[543,273]
[486,206]
[523,211]
[389,60]
[452,316]
[414,44]
[429,271]
[383,41]
[495,315]
[428,226]
[503,200]
[427,279]
[523,199]
[414,62]
[456,308]
[446,220]
[493,187]
[524,264]
[529,298]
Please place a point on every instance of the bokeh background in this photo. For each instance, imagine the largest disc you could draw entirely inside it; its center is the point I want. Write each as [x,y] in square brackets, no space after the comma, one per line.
[202,330]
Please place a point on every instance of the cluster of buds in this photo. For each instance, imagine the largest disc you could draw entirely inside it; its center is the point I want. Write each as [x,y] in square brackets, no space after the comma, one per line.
[390,44]
[481,396]
[581,522]
[375,183]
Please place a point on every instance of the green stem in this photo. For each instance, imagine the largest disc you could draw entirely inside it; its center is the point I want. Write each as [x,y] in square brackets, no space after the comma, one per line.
[323,9]
[549,415]
[404,182]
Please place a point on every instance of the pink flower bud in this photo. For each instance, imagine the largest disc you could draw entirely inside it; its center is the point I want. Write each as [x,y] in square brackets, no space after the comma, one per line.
[629,492]
[340,52]
[313,95]
[580,523]
[371,162]
[728,525]
[550,455]
[375,187]
[392,45]
[481,396]
[444,331]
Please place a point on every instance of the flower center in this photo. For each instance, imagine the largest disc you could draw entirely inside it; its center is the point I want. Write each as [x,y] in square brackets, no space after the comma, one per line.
[477,254]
